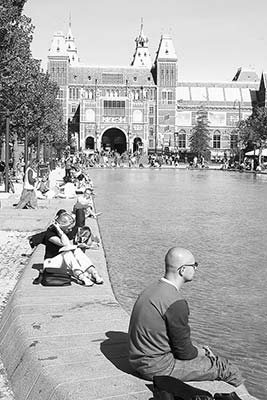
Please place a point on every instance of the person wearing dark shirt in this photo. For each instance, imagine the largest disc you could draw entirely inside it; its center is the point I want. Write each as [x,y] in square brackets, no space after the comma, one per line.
[159,332]
[61,253]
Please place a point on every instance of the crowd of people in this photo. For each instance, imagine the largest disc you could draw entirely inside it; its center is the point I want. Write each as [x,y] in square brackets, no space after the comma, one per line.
[160,341]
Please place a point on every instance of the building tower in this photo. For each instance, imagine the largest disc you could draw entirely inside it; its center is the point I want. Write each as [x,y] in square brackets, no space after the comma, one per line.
[58,68]
[71,47]
[166,77]
[141,56]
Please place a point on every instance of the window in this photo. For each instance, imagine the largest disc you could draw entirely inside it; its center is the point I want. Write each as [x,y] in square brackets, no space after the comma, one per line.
[108,78]
[74,93]
[114,108]
[151,131]
[167,97]
[61,94]
[89,94]
[151,94]
[151,120]
[151,110]
[170,97]
[73,108]
[182,140]
[151,143]
[137,95]
[233,141]
[216,141]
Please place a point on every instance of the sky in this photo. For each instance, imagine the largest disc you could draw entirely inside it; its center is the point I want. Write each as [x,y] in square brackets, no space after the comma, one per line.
[212,38]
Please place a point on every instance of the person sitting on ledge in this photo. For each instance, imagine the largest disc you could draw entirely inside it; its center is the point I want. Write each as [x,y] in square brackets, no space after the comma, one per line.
[159,332]
[61,253]
[85,202]
[85,239]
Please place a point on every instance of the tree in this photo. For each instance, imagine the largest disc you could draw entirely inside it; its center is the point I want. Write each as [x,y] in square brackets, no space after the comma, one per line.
[27,92]
[200,136]
[253,130]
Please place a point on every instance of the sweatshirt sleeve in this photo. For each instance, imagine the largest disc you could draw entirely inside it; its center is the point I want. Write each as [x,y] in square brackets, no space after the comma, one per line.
[178,329]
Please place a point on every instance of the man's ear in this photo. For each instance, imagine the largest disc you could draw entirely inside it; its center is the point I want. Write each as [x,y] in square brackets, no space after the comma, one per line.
[181,271]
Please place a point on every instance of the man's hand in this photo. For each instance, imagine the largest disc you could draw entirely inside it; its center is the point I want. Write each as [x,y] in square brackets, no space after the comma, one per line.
[209,352]
[205,351]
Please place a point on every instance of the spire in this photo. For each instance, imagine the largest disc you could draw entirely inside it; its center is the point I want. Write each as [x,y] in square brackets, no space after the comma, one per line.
[141,56]
[71,46]
[70,35]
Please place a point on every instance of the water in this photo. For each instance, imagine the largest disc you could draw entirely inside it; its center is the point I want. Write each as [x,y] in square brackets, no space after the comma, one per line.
[222,218]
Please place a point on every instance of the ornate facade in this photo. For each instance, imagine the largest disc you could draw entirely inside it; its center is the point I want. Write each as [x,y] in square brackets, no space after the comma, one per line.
[144,105]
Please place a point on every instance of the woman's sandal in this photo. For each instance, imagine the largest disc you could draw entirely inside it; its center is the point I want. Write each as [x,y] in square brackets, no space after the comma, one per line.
[84,277]
[95,277]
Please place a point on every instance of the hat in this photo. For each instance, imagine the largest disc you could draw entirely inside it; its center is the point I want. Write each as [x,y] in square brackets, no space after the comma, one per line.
[65,220]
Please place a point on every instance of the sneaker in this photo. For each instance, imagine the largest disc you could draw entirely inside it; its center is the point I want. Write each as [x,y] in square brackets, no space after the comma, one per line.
[96,278]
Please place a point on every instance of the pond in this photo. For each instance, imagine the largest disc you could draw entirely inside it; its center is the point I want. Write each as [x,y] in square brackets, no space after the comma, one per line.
[221,217]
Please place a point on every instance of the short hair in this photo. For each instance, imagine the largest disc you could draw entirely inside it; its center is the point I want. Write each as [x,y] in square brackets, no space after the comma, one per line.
[61,211]
[65,220]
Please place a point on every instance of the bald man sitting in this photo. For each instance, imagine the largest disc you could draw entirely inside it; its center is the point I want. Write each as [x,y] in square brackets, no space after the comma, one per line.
[159,333]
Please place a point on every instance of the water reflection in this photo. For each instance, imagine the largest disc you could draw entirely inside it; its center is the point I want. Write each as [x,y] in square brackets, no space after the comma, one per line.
[222,218]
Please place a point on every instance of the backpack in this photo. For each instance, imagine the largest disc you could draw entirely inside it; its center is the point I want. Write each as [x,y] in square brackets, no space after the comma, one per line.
[55,277]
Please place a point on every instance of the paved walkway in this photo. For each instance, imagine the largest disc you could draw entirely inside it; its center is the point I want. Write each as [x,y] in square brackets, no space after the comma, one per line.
[69,342]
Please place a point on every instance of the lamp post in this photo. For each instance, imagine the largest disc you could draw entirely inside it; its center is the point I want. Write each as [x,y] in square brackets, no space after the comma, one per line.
[238,135]
[26,148]
[175,141]
[96,137]
[128,135]
[7,132]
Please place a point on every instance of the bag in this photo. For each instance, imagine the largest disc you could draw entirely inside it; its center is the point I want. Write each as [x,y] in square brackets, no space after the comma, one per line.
[53,277]
[169,388]
[36,239]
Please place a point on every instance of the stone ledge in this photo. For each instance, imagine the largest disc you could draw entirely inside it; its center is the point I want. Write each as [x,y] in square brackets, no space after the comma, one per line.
[71,342]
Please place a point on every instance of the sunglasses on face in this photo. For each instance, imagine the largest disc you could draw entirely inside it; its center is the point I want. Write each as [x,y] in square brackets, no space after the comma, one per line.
[195,265]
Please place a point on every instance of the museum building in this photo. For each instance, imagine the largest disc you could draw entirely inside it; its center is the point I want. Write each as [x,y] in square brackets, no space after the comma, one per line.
[144,106]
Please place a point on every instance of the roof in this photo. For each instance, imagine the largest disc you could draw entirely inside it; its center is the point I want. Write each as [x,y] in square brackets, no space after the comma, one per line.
[231,92]
[112,75]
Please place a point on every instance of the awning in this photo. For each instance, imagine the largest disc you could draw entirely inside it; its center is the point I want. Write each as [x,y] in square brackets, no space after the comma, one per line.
[256,153]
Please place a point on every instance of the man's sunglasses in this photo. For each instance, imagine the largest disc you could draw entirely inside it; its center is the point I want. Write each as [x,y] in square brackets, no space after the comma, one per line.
[195,265]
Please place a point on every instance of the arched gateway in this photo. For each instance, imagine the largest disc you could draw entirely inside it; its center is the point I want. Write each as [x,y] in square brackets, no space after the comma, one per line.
[90,143]
[114,139]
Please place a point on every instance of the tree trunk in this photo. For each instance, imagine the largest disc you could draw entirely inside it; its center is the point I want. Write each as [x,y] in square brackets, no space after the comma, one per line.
[15,153]
[260,153]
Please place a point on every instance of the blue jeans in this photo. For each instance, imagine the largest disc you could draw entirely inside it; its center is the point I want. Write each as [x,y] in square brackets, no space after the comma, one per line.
[207,368]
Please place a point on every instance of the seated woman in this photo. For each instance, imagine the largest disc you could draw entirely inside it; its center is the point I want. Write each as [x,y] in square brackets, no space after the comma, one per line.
[42,187]
[61,253]
[85,201]
[85,240]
